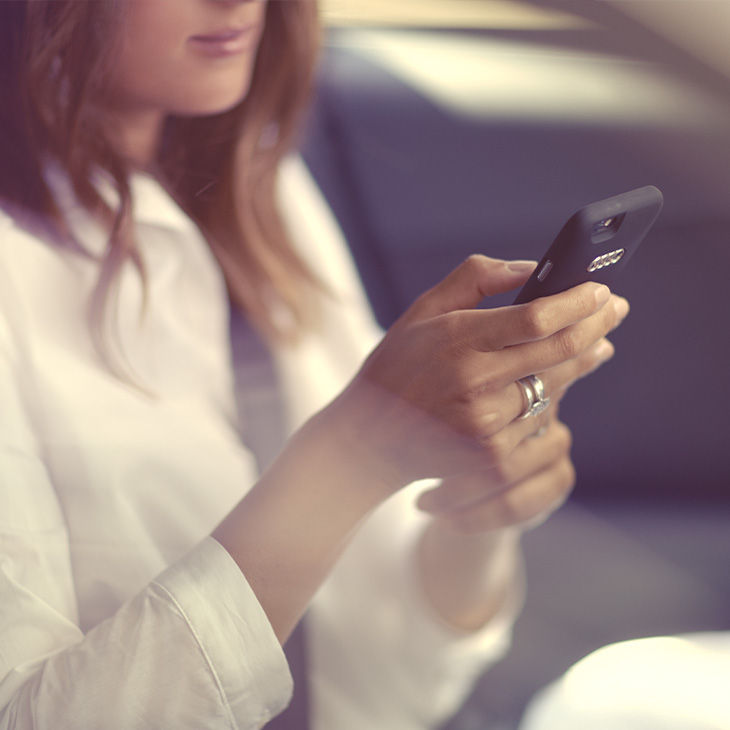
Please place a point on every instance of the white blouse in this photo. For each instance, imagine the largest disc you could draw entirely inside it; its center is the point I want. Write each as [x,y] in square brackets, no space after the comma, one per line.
[117,610]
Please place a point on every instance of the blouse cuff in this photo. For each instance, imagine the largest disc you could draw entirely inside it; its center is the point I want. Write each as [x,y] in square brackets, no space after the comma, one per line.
[233,632]
[471,651]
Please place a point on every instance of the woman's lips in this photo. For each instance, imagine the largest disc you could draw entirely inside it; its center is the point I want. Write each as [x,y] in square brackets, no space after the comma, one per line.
[229,42]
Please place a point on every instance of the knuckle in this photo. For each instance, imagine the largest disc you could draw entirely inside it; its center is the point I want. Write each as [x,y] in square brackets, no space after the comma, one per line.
[469,416]
[585,363]
[497,448]
[464,390]
[568,344]
[542,504]
[477,426]
[475,262]
[490,426]
[564,437]
[614,317]
[536,320]
[448,327]
[501,474]
[567,474]
[473,393]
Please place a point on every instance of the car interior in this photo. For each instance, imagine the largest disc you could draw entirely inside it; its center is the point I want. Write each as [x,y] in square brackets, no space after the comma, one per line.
[444,128]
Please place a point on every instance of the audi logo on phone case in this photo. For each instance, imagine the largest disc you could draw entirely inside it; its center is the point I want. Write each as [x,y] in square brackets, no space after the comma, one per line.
[608,259]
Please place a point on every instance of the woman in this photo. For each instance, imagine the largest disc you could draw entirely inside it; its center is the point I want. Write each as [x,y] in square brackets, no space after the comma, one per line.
[148,576]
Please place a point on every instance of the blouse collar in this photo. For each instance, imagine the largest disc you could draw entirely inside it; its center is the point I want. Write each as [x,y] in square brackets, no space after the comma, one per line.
[151,204]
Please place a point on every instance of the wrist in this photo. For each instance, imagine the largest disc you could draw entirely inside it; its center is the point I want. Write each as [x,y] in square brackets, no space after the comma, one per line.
[291,527]
[468,578]
[352,429]
[347,469]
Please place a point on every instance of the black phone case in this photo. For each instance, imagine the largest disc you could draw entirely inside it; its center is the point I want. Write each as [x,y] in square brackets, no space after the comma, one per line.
[589,249]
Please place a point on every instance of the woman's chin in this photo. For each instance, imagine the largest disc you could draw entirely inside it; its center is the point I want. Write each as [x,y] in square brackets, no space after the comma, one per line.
[212,102]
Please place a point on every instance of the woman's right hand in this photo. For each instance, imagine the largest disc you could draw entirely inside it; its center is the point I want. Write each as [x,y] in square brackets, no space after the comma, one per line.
[435,397]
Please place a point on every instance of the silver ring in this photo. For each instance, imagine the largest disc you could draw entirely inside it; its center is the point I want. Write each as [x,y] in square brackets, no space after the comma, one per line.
[529,394]
[536,400]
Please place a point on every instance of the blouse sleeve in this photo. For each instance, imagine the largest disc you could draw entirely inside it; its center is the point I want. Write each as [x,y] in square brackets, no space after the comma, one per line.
[193,649]
[402,666]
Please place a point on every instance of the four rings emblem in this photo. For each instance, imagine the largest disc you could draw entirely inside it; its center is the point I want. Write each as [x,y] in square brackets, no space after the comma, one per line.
[608,259]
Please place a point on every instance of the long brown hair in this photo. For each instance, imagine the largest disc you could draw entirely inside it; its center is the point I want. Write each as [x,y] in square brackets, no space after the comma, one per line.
[54,55]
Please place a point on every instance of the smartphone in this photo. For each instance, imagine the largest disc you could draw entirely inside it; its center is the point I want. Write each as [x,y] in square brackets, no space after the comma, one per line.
[595,244]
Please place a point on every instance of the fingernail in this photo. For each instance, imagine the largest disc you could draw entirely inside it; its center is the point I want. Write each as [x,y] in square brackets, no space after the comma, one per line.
[602,293]
[521,267]
[621,306]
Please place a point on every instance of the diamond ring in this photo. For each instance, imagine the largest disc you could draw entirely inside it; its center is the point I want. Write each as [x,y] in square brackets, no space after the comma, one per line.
[535,399]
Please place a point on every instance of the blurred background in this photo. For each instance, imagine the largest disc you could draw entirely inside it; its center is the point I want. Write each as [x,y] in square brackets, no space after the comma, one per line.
[446,127]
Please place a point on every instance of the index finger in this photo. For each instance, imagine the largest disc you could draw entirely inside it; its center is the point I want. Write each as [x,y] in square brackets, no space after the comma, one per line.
[494,329]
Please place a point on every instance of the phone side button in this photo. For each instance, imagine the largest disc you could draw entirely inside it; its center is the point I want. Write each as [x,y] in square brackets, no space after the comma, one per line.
[545,270]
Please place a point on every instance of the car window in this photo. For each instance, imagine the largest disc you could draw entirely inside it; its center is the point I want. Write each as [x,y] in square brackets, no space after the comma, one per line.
[477,14]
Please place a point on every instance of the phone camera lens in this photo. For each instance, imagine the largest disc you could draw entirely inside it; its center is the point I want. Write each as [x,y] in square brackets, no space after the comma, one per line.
[606,228]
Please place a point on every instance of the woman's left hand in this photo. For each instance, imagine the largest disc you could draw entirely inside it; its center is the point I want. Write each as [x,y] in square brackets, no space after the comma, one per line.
[469,555]
[527,486]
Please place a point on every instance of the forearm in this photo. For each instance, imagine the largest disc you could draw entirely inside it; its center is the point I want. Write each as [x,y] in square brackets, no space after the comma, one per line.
[468,578]
[288,531]
[413,414]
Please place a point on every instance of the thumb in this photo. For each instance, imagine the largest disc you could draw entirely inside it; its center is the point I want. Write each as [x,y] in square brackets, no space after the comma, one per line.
[470,282]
